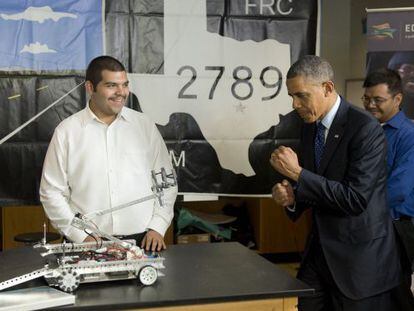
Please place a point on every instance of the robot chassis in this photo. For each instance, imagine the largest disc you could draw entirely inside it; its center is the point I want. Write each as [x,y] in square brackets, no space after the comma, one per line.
[70,264]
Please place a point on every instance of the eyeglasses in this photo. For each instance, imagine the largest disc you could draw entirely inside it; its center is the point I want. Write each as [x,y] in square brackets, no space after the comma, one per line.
[377,101]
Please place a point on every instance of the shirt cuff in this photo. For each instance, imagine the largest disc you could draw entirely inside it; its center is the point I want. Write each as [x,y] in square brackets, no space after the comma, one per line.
[291,208]
[158,224]
[76,235]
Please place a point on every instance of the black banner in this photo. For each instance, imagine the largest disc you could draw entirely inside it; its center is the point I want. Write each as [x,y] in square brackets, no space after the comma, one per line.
[210,73]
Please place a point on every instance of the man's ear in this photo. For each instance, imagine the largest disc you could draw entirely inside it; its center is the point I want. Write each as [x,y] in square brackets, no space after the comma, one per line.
[398,99]
[89,87]
[329,87]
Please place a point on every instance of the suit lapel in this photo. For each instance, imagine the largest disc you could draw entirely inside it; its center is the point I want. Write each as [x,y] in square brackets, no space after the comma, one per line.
[308,160]
[334,137]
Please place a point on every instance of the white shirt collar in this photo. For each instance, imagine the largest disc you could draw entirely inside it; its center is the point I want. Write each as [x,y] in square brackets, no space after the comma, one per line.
[89,116]
[330,116]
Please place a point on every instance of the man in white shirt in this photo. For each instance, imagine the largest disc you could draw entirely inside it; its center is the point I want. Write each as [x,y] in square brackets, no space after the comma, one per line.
[102,157]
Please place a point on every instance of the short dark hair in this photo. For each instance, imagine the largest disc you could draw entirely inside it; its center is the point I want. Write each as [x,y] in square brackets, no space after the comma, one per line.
[385,76]
[312,67]
[99,64]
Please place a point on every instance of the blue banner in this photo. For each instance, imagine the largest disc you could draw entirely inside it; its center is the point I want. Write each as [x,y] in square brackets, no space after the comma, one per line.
[50,35]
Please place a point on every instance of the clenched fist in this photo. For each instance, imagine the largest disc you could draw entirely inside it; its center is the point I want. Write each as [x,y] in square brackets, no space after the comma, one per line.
[283,194]
[285,161]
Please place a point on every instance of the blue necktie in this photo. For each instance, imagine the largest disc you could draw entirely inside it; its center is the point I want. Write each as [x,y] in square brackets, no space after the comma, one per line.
[319,143]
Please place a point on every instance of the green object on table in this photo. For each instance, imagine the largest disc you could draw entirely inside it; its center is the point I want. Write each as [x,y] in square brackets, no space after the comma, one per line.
[185,218]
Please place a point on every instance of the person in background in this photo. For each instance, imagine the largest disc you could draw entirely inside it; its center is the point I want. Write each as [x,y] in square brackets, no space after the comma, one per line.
[403,63]
[351,258]
[382,98]
[102,157]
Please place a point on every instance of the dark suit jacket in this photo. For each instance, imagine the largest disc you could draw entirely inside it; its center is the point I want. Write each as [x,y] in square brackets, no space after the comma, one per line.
[348,197]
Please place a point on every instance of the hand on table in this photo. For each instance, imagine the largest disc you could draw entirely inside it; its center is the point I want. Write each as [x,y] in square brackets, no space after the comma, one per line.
[153,241]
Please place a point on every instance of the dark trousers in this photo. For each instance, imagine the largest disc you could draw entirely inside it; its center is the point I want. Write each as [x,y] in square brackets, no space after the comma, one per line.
[402,295]
[315,272]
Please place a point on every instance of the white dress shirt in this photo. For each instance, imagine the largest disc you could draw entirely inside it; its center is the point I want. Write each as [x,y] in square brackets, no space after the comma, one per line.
[330,116]
[91,166]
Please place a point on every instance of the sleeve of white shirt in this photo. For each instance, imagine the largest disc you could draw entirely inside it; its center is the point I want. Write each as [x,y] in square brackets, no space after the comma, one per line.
[54,189]
[162,215]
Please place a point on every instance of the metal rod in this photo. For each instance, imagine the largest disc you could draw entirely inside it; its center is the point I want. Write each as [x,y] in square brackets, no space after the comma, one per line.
[5,138]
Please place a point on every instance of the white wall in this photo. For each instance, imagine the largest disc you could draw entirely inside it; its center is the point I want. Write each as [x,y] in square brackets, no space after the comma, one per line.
[335,38]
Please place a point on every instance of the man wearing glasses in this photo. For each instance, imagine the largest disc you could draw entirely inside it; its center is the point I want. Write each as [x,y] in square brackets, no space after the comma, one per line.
[382,98]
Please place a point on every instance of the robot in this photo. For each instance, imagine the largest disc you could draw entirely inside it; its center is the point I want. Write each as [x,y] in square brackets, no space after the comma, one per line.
[71,264]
